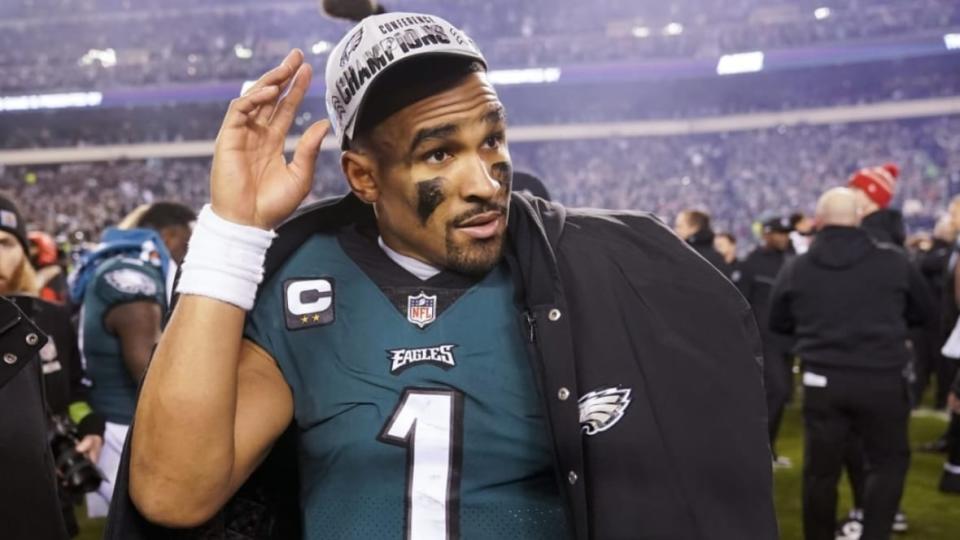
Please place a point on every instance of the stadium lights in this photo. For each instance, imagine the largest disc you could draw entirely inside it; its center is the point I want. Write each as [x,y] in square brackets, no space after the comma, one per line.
[106,57]
[524,76]
[821,13]
[320,47]
[748,62]
[242,52]
[952,41]
[50,101]
[641,31]
[497,76]
[673,29]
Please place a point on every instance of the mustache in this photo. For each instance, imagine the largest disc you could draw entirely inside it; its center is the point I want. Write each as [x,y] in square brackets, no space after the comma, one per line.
[481,208]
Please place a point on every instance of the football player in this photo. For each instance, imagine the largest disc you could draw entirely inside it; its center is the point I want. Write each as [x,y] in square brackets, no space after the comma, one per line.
[121,289]
[456,361]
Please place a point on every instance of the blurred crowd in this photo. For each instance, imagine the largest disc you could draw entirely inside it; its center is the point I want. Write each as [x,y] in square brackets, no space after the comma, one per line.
[739,176]
[219,40]
[533,104]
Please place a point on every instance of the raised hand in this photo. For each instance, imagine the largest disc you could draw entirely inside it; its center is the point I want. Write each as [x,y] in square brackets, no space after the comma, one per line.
[251,182]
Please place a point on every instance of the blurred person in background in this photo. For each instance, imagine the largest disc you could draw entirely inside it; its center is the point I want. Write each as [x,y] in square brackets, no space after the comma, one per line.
[693,226]
[65,383]
[123,290]
[758,273]
[45,257]
[804,227]
[726,245]
[950,479]
[933,262]
[874,188]
[849,302]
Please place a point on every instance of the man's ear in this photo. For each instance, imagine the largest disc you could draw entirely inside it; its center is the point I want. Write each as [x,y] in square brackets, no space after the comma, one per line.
[360,168]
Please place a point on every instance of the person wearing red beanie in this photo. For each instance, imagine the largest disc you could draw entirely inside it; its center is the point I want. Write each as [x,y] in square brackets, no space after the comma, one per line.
[875,188]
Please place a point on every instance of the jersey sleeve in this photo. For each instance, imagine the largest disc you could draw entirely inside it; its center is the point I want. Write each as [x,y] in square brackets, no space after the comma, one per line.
[263,323]
[128,280]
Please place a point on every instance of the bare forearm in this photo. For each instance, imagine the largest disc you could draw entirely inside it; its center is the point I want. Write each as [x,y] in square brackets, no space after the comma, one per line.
[183,437]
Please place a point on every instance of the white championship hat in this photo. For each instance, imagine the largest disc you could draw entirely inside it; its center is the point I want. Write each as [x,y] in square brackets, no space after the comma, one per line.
[376,44]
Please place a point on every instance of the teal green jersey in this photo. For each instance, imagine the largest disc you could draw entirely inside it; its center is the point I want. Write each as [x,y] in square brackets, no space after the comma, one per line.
[415,423]
[116,281]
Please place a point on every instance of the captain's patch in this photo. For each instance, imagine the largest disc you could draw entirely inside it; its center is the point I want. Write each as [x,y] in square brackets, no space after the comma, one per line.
[308,302]
[601,409]
[439,355]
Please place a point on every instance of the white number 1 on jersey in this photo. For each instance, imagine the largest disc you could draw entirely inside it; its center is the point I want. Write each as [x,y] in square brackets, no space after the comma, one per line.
[429,424]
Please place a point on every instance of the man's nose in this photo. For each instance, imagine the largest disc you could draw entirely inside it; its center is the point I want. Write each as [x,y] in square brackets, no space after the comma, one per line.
[478,182]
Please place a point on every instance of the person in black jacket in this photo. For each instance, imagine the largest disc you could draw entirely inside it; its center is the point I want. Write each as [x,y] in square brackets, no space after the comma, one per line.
[758,273]
[627,336]
[693,226]
[950,479]
[726,245]
[849,302]
[29,505]
[65,380]
[933,263]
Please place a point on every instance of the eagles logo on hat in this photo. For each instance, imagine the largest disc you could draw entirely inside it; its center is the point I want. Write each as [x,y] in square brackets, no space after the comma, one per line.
[377,44]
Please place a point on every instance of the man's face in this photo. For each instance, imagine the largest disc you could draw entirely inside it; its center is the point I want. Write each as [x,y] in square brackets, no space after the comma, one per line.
[176,238]
[777,240]
[725,247]
[682,226]
[442,178]
[865,204]
[11,257]
[954,211]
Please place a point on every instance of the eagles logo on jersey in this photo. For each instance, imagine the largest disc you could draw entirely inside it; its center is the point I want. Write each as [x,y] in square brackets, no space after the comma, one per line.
[601,409]
[130,281]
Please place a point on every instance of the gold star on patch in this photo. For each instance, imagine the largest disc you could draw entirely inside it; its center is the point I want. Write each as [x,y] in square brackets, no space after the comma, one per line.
[304,319]
[316,317]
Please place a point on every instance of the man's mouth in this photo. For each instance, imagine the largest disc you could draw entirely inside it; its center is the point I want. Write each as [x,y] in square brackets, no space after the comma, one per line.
[482,226]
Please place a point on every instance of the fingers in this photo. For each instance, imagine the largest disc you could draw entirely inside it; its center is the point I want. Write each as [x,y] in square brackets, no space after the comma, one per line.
[242,107]
[279,75]
[287,108]
[264,92]
[305,156]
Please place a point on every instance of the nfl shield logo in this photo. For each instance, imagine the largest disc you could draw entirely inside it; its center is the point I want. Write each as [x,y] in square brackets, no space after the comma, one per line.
[421,309]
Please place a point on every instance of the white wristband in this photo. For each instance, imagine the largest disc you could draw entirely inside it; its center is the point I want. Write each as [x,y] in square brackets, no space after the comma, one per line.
[224,260]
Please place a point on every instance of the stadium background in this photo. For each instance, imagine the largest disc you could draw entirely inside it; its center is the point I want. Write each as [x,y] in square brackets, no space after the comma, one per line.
[746,108]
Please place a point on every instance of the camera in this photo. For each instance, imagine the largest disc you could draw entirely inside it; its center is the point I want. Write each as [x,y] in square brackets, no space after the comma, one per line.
[77,474]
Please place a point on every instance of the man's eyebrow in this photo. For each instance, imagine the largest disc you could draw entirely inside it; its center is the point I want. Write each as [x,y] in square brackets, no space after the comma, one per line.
[438,132]
[495,116]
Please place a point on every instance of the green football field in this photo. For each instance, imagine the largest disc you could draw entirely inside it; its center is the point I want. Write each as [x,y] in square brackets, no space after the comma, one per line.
[932,515]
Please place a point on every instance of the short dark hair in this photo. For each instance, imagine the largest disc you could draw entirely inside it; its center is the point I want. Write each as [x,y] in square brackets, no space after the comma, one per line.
[730,238]
[407,83]
[697,219]
[165,214]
